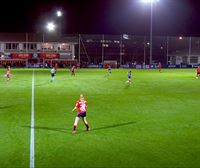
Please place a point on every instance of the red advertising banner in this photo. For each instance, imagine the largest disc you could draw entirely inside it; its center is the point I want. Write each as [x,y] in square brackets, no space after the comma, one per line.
[49,56]
[21,55]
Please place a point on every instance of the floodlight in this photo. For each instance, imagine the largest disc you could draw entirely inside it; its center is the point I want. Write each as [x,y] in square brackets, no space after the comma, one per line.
[59,13]
[50,26]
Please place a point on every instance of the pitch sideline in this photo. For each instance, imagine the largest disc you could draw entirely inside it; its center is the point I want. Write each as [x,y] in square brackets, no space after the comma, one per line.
[32,152]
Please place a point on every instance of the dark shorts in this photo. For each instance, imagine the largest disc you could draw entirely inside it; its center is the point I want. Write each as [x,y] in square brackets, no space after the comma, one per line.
[52,75]
[198,73]
[81,115]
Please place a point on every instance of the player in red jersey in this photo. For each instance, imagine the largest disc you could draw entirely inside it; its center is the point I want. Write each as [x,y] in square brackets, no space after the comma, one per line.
[81,104]
[159,66]
[198,72]
[8,73]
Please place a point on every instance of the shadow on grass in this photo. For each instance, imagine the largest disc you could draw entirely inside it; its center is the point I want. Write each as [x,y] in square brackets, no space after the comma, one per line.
[65,130]
[113,126]
[6,107]
[127,85]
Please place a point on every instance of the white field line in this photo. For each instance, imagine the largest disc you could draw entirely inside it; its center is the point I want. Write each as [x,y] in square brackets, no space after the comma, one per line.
[32,152]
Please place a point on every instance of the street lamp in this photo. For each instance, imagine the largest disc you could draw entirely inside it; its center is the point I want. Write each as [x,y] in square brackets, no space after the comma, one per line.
[50,26]
[151,2]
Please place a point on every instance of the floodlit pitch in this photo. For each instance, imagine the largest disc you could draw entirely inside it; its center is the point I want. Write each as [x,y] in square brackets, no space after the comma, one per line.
[152,122]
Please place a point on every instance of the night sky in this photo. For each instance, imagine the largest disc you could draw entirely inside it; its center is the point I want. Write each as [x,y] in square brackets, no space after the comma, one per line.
[171,17]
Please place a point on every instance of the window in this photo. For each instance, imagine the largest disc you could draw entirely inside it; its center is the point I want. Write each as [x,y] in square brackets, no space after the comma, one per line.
[173,60]
[8,46]
[32,46]
[47,46]
[15,46]
[185,58]
[194,59]
[197,43]
[24,46]
[12,46]
[65,46]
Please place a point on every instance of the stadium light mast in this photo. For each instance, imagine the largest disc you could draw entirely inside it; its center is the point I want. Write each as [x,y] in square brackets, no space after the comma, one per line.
[151,2]
[59,15]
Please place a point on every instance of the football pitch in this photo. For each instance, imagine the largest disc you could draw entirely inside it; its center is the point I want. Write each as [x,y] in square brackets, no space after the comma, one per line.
[154,122]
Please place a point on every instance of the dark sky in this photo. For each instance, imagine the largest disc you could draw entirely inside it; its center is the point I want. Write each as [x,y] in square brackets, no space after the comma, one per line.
[170,17]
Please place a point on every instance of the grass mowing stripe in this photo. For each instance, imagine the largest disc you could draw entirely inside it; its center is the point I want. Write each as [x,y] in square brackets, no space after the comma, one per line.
[32,126]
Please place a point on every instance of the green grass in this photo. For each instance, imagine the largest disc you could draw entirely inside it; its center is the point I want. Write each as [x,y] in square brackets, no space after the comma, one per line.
[155,122]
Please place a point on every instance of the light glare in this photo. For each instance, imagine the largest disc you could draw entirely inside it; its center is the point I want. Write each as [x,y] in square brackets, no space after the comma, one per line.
[149,1]
[50,26]
[59,13]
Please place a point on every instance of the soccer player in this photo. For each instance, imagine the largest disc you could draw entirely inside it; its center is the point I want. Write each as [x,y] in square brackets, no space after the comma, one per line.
[52,74]
[73,70]
[198,72]
[159,66]
[109,69]
[81,104]
[129,77]
[8,73]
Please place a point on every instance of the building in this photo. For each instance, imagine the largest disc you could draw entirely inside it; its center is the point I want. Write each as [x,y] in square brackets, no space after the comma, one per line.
[36,49]
[183,57]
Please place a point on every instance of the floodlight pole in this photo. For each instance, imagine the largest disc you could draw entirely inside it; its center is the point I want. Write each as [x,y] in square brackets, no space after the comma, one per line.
[26,42]
[59,14]
[102,51]
[26,48]
[144,50]
[43,42]
[167,49]
[60,27]
[190,47]
[121,43]
[151,33]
